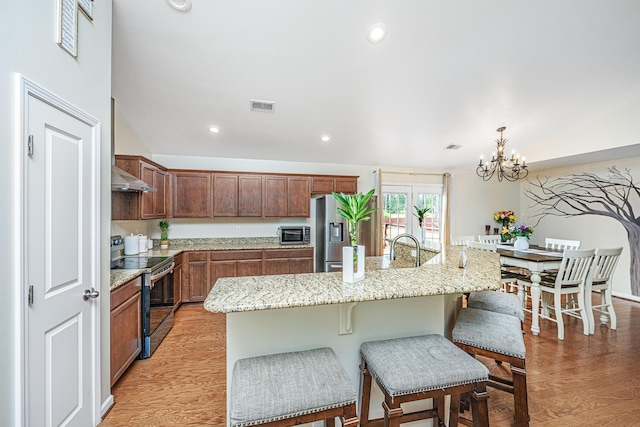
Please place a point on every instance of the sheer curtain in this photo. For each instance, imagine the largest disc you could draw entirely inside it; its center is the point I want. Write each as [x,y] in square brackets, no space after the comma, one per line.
[446,208]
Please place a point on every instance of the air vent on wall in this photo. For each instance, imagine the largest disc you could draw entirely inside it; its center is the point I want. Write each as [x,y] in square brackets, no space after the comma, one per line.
[452,147]
[267,106]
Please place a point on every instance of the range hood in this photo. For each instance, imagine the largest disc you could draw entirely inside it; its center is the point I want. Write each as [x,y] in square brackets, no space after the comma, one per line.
[124,181]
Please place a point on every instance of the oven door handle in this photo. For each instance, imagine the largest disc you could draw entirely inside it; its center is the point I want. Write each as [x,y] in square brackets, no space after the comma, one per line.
[164,273]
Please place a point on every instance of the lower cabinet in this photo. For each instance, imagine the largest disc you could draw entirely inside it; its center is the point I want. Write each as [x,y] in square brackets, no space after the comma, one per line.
[287,261]
[201,269]
[235,264]
[195,286]
[126,328]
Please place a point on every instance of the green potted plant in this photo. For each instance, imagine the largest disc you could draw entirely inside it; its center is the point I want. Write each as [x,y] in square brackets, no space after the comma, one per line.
[164,234]
[420,213]
[354,209]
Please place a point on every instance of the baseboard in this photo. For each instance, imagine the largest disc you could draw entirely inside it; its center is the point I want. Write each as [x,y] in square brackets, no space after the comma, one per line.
[107,405]
[626,296]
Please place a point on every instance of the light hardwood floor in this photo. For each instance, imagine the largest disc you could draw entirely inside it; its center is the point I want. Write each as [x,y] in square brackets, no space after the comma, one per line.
[581,381]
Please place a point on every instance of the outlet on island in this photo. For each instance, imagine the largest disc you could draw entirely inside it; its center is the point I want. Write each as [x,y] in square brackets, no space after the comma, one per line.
[237,229]
[413,253]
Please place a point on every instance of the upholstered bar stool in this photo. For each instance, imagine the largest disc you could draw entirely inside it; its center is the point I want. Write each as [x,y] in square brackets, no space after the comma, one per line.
[288,389]
[497,302]
[417,368]
[498,336]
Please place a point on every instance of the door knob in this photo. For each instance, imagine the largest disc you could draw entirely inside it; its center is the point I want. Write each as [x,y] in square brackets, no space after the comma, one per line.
[90,294]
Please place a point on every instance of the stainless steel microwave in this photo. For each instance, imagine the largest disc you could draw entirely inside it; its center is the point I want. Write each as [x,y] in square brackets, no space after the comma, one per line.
[295,235]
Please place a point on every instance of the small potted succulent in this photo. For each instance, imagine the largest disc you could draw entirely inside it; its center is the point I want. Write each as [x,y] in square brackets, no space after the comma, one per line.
[164,234]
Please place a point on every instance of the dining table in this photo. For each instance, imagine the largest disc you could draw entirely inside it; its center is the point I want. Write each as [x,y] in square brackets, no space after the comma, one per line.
[536,259]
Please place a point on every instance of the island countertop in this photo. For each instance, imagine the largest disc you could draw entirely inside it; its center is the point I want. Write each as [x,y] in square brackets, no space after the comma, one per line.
[439,276]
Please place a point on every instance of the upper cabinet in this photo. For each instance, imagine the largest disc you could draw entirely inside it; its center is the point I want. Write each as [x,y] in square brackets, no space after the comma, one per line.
[134,205]
[192,193]
[153,205]
[287,196]
[185,193]
[237,195]
[326,184]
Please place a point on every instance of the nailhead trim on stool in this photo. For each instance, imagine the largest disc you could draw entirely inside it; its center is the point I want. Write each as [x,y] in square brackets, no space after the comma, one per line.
[498,336]
[287,389]
[417,368]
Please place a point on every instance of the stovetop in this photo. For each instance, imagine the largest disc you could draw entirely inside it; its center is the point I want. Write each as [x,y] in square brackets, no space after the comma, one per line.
[139,262]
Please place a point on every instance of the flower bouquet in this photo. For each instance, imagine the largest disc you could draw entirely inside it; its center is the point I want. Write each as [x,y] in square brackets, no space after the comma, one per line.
[521,233]
[506,218]
[521,230]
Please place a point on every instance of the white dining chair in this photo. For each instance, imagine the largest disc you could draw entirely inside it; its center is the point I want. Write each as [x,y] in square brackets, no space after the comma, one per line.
[561,244]
[491,247]
[570,280]
[461,240]
[492,238]
[599,280]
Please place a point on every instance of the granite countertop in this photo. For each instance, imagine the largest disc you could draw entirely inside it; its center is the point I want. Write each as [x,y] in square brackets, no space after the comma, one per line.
[177,246]
[438,276]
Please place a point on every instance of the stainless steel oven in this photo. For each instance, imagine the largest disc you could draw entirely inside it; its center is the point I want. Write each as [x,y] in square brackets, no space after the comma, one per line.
[157,294]
[157,306]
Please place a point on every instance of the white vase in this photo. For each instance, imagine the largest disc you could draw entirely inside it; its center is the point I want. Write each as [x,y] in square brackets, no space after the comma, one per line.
[348,273]
[521,243]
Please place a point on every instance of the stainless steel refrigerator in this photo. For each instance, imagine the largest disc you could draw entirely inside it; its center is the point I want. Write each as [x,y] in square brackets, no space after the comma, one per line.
[332,234]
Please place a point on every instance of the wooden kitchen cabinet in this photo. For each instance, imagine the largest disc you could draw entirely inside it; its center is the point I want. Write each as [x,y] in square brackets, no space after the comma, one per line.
[324,184]
[136,205]
[225,194]
[201,269]
[347,185]
[191,194]
[287,196]
[153,205]
[249,195]
[237,195]
[287,261]
[126,327]
[177,281]
[196,279]
[235,264]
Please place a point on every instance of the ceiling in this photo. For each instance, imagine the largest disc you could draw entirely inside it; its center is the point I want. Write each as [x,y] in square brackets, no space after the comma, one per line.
[448,72]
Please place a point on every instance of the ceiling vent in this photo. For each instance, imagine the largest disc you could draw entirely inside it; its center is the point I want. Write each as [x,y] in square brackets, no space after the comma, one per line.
[267,106]
[452,147]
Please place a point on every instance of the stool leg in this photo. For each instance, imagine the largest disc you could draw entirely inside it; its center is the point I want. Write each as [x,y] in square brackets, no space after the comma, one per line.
[519,375]
[454,410]
[349,417]
[392,413]
[479,406]
[365,394]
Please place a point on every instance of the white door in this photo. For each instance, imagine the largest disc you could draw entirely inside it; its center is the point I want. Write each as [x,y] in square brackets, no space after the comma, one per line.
[61,223]
[399,213]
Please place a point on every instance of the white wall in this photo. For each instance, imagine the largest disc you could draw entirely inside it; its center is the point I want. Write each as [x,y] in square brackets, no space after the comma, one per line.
[28,45]
[593,231]
[475,201]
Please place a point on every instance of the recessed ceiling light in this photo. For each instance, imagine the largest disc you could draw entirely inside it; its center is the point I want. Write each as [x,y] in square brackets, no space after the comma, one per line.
[325,138]
[376,33]
[181,5]
[214,129]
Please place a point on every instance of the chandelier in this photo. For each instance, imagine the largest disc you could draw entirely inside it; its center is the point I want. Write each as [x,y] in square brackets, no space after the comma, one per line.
[509,168]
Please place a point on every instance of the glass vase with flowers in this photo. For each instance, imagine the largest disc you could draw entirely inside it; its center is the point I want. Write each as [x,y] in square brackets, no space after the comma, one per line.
[505,218]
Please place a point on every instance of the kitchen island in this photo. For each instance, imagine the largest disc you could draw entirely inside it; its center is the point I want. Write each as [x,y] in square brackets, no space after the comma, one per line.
[272,314]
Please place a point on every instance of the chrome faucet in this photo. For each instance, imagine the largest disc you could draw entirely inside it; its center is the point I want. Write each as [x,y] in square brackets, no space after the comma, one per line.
[411,236]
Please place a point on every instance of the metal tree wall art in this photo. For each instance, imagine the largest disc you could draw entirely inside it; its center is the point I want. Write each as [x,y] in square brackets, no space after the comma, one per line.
[613,196]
